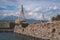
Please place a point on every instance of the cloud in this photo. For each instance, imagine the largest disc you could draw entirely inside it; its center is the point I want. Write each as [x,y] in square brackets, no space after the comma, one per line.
[37,9]
[32,8]
[47,0]
[8,13]
[55,7]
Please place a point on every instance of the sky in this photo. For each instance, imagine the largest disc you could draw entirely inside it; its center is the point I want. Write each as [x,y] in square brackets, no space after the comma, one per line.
[33,9]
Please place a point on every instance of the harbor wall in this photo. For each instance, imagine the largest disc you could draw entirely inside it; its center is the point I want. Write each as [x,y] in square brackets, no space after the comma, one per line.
[41,30]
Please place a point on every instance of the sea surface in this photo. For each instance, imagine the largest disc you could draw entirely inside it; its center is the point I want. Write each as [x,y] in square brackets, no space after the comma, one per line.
[14,36]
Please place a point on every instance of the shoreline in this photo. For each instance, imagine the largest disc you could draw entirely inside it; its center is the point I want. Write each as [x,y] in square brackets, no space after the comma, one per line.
[40,30]
[35,38]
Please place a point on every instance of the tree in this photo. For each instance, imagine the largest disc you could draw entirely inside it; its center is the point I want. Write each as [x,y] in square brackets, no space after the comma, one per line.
[57,18]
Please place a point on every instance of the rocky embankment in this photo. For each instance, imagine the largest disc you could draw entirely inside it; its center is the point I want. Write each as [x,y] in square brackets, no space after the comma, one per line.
[41,30]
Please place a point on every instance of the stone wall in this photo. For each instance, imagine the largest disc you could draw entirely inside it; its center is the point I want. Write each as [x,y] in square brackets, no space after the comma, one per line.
[41,30]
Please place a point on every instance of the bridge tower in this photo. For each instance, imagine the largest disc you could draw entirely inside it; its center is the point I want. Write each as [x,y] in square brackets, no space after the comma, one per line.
[21,16]
[42,16]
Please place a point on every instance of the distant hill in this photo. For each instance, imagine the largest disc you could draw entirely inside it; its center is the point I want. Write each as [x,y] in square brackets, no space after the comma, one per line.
[13,18]
[10,18]
[31,20]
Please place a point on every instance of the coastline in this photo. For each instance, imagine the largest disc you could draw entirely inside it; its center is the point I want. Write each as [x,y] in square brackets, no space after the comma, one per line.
[40,30]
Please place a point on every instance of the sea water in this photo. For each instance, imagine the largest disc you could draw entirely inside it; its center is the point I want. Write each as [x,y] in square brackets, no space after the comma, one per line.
[14,36]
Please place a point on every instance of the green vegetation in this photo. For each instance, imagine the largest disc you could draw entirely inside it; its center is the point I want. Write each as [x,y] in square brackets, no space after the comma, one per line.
[57,18]
[24,25]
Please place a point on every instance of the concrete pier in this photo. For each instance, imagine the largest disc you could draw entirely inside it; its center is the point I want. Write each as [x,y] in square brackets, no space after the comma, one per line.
[6,30]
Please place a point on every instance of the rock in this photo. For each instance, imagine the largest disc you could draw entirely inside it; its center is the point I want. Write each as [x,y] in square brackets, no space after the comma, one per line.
[41,30]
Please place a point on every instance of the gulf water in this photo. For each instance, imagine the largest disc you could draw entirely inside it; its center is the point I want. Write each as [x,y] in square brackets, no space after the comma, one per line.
[14,36]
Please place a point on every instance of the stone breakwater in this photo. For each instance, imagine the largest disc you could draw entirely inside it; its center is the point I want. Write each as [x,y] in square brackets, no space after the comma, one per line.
[41,30]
